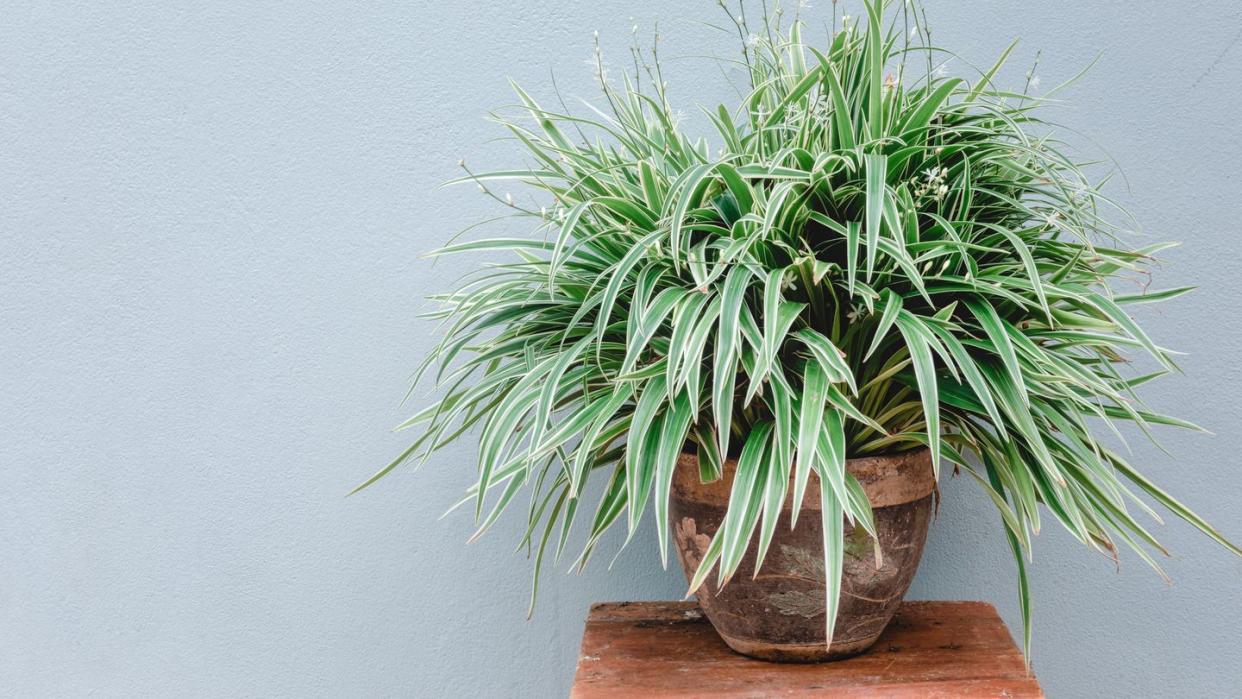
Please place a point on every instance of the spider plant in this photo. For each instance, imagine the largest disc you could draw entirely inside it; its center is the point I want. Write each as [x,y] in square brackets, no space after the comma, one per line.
[867,256]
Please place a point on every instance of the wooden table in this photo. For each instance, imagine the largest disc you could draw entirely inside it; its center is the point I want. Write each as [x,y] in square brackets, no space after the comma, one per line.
[668,649]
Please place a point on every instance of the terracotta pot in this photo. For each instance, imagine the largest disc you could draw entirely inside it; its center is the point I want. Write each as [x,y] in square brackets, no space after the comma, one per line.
[779,614]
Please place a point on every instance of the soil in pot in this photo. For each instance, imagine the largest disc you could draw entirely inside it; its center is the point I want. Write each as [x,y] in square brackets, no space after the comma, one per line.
[779,614]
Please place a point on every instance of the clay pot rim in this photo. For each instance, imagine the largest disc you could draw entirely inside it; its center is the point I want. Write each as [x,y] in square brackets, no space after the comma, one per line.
[886,455]
[888,479]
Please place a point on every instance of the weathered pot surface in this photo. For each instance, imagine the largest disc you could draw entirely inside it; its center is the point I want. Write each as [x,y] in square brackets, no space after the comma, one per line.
[779,614]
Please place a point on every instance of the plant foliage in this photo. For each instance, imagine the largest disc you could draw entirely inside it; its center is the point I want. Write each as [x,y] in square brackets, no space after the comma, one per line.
[877,258]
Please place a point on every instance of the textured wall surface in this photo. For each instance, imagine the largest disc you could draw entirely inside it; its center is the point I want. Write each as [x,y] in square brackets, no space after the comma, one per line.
[210,222]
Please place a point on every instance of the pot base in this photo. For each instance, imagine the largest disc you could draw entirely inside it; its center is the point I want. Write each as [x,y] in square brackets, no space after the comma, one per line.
[797,652]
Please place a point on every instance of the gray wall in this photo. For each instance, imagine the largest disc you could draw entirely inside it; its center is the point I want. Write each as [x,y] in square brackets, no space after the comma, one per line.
[210,219]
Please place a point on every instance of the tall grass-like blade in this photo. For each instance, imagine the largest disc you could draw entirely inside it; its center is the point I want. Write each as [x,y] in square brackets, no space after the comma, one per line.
[1028,262]
[810,412]
[776,484]
[689,188]
[843,123]
[892,304]
[1169,501]
[974,378]
[986,80]
[1123,319]
[619,276]
[1153,296]
[685,319]
[724,366]
[921,117]
[745,499]
[582,461]
[1024,588]
[809,80]
[834,555]
[925,375]
[852,238]
[992,325]
[672,438]
[876,191]
[644,429]
[875,74]
[829,357]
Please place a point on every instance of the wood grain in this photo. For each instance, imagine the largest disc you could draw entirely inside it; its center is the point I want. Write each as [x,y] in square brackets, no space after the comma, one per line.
[668,649]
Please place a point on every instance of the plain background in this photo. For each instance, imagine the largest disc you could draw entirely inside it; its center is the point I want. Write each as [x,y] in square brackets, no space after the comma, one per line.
[211,217]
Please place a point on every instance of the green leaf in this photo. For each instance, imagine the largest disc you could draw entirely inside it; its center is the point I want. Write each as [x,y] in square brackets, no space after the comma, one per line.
[1123,319]
[810,412]
[828,356]
[925,374]
[631,211]
[1169,501]
[1024,589]
[672,439]
[1003,346]
[831,453]
[619,276]
[834,555]
[986,80]
[724,366]
[921,117]
[808,81]
[1152,296]
[689,315]
[745,500]
[690,188]
[775,485]
[875,81]
[876,192]
[843,123]
[892,304]
[639,462]
[852,237]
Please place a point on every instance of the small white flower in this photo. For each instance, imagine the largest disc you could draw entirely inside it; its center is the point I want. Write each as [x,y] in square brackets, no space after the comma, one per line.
[942,70]
[1051,219]
[914,31]
[845,19]
[854,314]
[752,41]
[461,162]
[543,212]
[598,66]
[509,199]
[482,188]
[1034,83]
[944,189]
[804,4]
